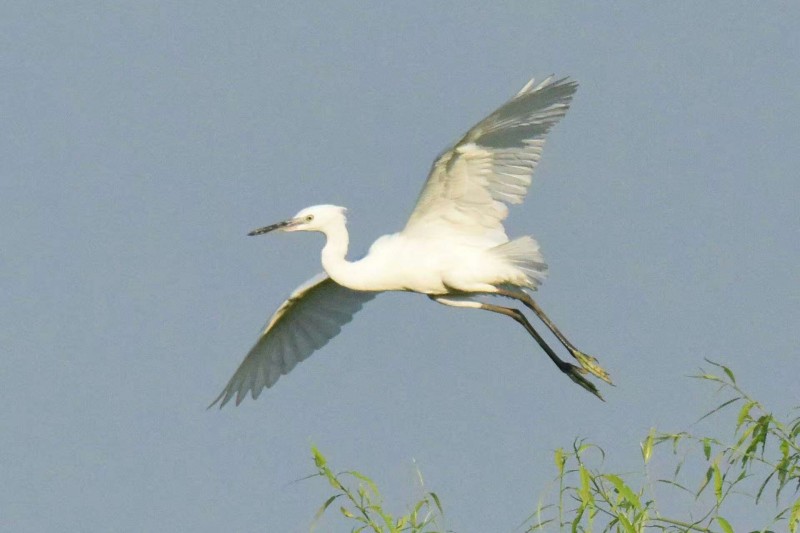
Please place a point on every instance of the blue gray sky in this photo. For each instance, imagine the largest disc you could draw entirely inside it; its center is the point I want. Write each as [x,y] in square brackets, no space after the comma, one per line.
[141,141]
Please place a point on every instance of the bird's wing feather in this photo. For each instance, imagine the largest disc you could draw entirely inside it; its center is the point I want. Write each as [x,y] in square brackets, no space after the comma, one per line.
[472,182]
[312,315]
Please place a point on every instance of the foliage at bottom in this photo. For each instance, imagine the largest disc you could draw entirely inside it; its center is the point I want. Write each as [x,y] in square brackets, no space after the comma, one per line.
[757,469]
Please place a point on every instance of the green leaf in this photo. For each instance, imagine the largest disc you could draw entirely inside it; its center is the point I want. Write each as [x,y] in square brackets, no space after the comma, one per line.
[373,487]
[708,377]
[582,448]
[784,447]
[322,509]
[676,440]
[647,446]
[675,484]
[794,517]
[745,435]
[729,373]
[560,461]
[420,504]
[718,408]
[387,518]
[709,474]
[626,524]
[726,527]
[760,436]
[795,432]
[584,491]
[624,490]
[724,369]
[707,448]
[437,502]
[744,413]
[577,520]
[763,486]
[346,512]
[717,482]
[319,459]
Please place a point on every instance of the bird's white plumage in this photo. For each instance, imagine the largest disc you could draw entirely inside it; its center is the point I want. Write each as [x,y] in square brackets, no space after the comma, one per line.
[312,315]
[453,244]
[491,166]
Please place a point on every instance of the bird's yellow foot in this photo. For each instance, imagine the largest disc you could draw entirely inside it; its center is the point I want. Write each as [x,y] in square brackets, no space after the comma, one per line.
[575,374]
[591,365]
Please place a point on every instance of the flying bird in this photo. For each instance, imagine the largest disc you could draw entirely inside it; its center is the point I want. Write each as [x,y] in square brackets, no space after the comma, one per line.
[454,248]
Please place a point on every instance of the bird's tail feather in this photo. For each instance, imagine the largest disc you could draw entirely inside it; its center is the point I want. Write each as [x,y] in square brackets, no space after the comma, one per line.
[523,253]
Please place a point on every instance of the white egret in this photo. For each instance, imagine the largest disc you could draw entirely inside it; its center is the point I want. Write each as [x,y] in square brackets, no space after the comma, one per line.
[453,248]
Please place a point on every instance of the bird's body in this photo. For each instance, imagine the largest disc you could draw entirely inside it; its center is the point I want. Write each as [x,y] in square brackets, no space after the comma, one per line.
[429,265]
[453,248]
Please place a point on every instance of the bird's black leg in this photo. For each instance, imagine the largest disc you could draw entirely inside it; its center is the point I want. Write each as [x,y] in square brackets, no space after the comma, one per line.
[574,372]
[588,362]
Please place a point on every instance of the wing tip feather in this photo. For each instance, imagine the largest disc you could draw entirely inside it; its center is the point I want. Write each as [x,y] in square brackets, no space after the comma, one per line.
[261,370]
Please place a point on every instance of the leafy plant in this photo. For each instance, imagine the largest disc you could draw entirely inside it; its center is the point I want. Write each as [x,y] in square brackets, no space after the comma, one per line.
[762,459]
[764,456]
[362,503]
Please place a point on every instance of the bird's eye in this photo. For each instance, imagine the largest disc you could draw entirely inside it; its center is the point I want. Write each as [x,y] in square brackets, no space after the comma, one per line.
[309,218]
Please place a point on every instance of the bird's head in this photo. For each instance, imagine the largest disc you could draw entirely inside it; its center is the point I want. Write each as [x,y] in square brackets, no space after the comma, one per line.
[314,218]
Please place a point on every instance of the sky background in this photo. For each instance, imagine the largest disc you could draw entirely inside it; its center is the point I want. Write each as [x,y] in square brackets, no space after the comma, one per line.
[141,141]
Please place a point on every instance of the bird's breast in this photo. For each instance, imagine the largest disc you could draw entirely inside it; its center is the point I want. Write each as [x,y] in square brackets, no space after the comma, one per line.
[398,263]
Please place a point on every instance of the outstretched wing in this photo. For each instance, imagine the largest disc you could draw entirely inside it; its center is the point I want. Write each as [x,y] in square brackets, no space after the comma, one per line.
[312,315]
[471,183]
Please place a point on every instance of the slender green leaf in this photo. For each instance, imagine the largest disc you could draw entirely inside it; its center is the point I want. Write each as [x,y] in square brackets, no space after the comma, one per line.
[322,510]
[708,377]
[584,492]
[794,517]
[560,461]
[760,432]
[319,459]
[387,518]
[675,484]
[676,439]
[784,447]
[626,524]
[647,446]
[719,408]
[704,484]
[724,369]
[437,502]
[744,413]
[373,487]
[333,480]
[795,431]
[577,520]
[763,486]
[724,524]
[729,373]
[420,504]
[624,490]
[717,482]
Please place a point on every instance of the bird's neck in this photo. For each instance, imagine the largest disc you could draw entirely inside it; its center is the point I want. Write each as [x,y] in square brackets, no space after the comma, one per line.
[334,255]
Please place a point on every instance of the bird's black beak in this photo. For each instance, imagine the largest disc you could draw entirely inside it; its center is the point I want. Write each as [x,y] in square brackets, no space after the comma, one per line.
[267,229]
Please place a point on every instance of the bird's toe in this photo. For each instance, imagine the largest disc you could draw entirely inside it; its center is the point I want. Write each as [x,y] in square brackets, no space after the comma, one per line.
[575,374]
[592,365]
